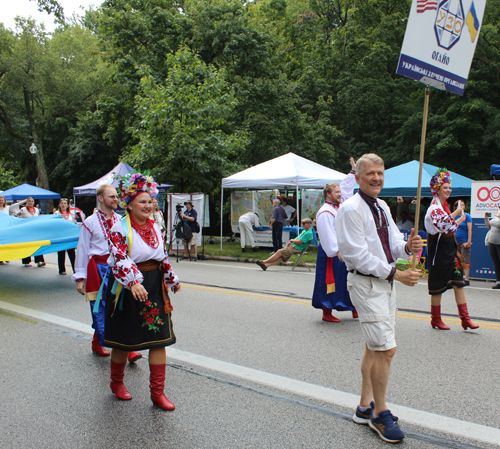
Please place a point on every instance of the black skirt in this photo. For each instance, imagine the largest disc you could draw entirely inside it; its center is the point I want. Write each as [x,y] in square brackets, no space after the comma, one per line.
[132,325]
[447,270]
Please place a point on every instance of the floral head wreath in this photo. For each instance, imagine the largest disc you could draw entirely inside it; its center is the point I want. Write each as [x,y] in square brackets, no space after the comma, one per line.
[131,185]
[442,176]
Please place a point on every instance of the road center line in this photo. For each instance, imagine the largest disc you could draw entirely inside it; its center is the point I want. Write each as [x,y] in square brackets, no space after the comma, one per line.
[421,418]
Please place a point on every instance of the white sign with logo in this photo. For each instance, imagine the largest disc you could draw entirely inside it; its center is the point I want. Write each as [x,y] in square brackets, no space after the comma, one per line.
[485,197]
[440,41]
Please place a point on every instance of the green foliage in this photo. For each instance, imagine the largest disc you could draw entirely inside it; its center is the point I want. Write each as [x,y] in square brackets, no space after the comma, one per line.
[185,133]
[197,89]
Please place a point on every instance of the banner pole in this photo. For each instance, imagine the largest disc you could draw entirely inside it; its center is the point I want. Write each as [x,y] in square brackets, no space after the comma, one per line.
[420,168]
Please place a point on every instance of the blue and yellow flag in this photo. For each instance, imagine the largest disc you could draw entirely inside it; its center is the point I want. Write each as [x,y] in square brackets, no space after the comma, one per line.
[24,237]
[472,23]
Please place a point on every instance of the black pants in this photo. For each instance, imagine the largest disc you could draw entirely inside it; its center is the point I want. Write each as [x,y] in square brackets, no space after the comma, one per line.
[37,259]
[61,259]
[277,236]
[495,257]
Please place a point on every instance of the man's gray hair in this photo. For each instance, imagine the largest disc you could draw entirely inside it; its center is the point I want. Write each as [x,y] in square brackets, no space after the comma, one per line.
[368,158]
[277,201]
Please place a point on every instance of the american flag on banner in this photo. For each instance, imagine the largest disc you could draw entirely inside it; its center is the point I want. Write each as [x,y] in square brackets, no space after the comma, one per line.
[426,5]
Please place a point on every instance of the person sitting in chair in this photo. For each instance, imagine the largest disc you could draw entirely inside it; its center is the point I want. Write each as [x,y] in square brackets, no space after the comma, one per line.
[294,246]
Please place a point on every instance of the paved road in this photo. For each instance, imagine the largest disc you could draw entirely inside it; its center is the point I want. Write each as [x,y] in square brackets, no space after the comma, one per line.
[254,366]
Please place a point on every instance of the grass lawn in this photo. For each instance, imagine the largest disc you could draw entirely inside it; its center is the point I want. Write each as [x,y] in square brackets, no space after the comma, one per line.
[233,249]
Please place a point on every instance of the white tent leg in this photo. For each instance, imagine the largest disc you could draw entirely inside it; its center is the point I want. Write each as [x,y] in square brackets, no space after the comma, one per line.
[221,213]
[298,212]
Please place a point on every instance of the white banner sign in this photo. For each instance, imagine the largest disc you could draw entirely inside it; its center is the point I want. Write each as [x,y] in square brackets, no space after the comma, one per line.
[485,197]
[439,42]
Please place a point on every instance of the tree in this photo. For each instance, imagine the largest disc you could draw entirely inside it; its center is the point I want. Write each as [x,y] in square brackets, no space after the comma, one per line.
[185,134]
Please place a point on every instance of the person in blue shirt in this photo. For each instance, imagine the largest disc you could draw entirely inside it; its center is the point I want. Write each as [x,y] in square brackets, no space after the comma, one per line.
[464,238]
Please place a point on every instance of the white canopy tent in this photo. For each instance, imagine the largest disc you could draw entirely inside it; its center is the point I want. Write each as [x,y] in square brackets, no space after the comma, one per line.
[287,171]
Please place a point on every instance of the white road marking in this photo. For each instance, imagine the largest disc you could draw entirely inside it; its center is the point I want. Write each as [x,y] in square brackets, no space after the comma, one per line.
[421,418]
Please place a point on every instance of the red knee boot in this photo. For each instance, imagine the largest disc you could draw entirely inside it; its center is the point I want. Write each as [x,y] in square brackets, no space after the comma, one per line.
[97,348]
[133,356]
[464,316]
[327,315]
[117,387]
[436,320]
[156,385]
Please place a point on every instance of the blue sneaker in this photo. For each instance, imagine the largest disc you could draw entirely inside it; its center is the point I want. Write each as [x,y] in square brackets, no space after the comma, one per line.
[386,428]
[361,417]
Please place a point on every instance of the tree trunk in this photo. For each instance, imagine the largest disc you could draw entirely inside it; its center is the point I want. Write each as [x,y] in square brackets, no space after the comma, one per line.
[42,178]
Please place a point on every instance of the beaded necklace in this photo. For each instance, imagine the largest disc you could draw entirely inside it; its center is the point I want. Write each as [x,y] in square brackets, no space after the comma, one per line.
[31,213]
[146,231]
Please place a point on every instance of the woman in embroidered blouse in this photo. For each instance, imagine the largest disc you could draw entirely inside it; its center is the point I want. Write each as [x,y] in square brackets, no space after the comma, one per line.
[63,211]
[28,212]
[446,264]
[138,312]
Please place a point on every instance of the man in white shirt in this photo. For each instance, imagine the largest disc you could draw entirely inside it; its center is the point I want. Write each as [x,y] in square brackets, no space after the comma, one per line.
[370,244]
[291,212]
[91,267]
[246,223]
[405,224]
[330,285]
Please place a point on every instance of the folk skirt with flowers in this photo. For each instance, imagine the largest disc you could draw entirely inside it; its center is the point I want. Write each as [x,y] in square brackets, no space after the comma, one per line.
[446,264]
[133,325]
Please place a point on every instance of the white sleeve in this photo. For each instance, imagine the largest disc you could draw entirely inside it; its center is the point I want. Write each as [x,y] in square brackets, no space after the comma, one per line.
[82,255]
[347,186]
[354,247]
[325,225]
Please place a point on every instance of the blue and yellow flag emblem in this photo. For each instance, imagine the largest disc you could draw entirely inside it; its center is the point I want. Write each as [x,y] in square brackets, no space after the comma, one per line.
[472,23]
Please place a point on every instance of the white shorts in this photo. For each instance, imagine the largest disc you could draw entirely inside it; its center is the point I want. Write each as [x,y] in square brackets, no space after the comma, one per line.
[193,239]
[375,302]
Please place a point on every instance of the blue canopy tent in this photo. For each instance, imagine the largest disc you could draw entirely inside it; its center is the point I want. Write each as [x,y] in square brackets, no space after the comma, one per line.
[121,169]
[25,190]
[403,181]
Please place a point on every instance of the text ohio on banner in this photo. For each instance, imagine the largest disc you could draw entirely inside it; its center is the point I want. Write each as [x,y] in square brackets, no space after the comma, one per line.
[439,42]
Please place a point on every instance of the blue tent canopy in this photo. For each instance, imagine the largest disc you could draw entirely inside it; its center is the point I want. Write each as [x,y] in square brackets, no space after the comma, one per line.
[25,190]
[403,181]
[121,169]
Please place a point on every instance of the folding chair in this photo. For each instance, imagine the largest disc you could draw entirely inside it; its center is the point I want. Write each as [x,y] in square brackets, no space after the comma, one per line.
[314,241]
[299,258]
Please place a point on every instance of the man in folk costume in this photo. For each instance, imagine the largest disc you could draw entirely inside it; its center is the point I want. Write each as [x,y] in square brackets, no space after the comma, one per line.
[91,267]
[330,286]
[370,243]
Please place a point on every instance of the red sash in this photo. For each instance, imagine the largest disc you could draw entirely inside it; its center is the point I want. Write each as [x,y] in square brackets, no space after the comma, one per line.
[93,280]
[330,279]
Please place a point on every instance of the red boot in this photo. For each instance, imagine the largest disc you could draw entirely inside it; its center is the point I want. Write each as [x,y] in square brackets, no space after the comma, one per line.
[436,320]
[156,385]
[327,315]
[464,316]
[133,356]
[97,348]
[355,314]
[117,387]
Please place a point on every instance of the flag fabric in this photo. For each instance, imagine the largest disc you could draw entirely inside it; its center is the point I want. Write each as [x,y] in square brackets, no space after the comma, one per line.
[426,5]
[24,237]
[472,22]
